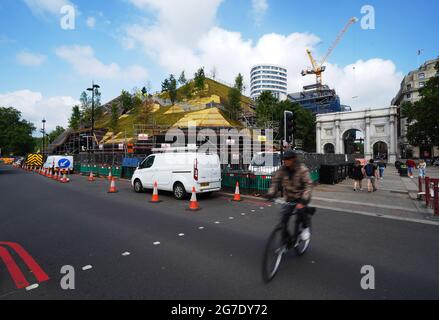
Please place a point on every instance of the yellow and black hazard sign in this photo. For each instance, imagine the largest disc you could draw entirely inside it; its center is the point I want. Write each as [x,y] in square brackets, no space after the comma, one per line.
[35,159]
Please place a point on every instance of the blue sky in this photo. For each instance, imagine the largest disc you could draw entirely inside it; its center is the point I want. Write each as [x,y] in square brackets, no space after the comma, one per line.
[132,44]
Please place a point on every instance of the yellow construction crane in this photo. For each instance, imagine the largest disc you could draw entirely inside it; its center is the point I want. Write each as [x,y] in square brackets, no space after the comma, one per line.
[318,69]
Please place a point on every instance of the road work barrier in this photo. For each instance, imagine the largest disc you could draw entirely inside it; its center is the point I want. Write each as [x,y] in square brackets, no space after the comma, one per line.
[193,205]
[432,194]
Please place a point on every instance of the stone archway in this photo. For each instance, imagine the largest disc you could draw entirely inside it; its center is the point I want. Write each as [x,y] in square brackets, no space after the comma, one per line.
[329,148]
[380,150]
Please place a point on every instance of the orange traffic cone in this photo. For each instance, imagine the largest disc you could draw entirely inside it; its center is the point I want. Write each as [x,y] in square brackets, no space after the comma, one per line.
[56,176]
[113,186]
[155,194]
[64,179]
[237,196]
[193,206]
[49,175]
[91,178]
[110,176]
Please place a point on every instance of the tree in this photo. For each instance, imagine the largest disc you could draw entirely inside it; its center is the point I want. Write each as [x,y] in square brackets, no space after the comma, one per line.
[165,85]
[234,107]
[75,118]
[239,83]
[199,79]
[56,133]
[265,105]
[182,79]
[114,116]
[126,101]
[423,116]
[85,109]
[15,133]
[172,88]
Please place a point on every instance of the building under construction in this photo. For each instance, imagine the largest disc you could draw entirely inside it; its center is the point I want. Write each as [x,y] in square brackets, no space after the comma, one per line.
[318,99]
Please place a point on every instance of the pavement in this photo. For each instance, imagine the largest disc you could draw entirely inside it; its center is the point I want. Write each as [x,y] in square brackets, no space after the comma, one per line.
[123,247]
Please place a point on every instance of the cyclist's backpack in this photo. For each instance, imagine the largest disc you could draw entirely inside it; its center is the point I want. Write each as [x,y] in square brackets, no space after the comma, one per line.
[370,170]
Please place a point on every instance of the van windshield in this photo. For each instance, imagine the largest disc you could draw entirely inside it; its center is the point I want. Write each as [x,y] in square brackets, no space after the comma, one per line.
[266,160]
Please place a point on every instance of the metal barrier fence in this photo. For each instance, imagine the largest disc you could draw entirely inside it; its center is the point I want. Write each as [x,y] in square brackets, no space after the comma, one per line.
[431,193]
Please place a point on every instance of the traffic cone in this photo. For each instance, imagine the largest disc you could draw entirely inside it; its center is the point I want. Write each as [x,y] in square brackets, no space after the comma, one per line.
[49,175]
[91,178]
[64,179]
[110,176]
[193,206]
[237,196]
[56,176]
[155,194]
[113,186]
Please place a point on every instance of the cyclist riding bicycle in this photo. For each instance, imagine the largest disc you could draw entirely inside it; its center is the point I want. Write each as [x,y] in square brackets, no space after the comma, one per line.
[294,179]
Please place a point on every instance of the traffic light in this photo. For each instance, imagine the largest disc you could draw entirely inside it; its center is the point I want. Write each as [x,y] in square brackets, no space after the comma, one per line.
[288,126]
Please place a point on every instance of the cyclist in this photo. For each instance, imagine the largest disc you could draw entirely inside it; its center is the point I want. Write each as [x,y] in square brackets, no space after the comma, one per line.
[294,179]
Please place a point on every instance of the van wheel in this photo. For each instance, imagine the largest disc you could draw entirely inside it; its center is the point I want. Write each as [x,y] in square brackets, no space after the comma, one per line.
[179,191]
[138,188]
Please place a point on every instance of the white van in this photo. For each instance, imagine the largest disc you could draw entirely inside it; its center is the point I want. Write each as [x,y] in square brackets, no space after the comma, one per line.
[57,162]
[179,172]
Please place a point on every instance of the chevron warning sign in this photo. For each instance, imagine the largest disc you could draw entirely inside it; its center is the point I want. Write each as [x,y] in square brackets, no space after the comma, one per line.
[35,159]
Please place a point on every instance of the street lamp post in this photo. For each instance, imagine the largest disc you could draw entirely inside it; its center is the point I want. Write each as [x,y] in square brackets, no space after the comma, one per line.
[44,136]
[92,89]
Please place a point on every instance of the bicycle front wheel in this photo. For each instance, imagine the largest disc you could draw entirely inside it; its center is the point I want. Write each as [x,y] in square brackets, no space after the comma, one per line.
[274,250]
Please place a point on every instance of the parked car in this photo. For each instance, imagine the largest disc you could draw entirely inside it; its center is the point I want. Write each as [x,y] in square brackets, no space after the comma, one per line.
[179,172]
[265,163]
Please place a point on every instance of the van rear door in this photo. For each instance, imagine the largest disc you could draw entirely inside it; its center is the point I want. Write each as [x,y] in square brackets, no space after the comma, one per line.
[209,169]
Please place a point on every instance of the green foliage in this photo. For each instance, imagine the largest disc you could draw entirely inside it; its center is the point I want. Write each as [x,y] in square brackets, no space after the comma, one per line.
[165,85]
[56,133]
[86,107]
[239,83]
[182,79]
[423,116]
[172,88]
[126,101]
[199,79]
[75,118]
[15,133]
[269,112]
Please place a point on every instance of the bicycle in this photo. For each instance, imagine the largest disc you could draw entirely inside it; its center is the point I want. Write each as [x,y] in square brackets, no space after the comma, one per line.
[281,241]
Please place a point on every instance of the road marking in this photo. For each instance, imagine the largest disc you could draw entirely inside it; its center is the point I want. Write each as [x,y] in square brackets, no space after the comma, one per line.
[217,222]
[374,205]
[85,268]
[15,272]
[262,208]
[157,243]
[125,254]
[253,210]
[32,287]
[243,214]
[201,228]
[181,234]
[231,218]
[369,214]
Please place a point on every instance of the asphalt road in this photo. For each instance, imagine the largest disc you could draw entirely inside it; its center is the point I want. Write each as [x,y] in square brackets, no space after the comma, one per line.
[80,224]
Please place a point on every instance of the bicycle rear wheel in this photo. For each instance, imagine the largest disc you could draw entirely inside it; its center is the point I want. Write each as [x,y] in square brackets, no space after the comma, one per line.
[274,250]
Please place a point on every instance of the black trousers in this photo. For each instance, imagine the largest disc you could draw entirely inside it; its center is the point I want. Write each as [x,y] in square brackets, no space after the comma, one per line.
[302,218]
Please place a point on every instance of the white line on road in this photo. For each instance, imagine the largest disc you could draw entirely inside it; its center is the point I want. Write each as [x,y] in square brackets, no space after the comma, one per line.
[200,228]
[369,214]
[231,218]
[32,287]
[243,214]
[157,243]
[125,254]
[87,267]
[181,234]
[217,222]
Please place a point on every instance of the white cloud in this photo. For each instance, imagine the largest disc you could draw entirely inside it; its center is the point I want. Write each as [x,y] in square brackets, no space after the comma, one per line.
[40,7]
[85,63]
[91,22]
[34,107]
[30,59]
[259,7]
[187,39]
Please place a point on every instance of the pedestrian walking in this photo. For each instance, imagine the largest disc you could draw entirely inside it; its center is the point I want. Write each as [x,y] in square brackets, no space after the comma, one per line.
[422,168]
[357,176]
[371,173]
[382,167]
[411,166]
